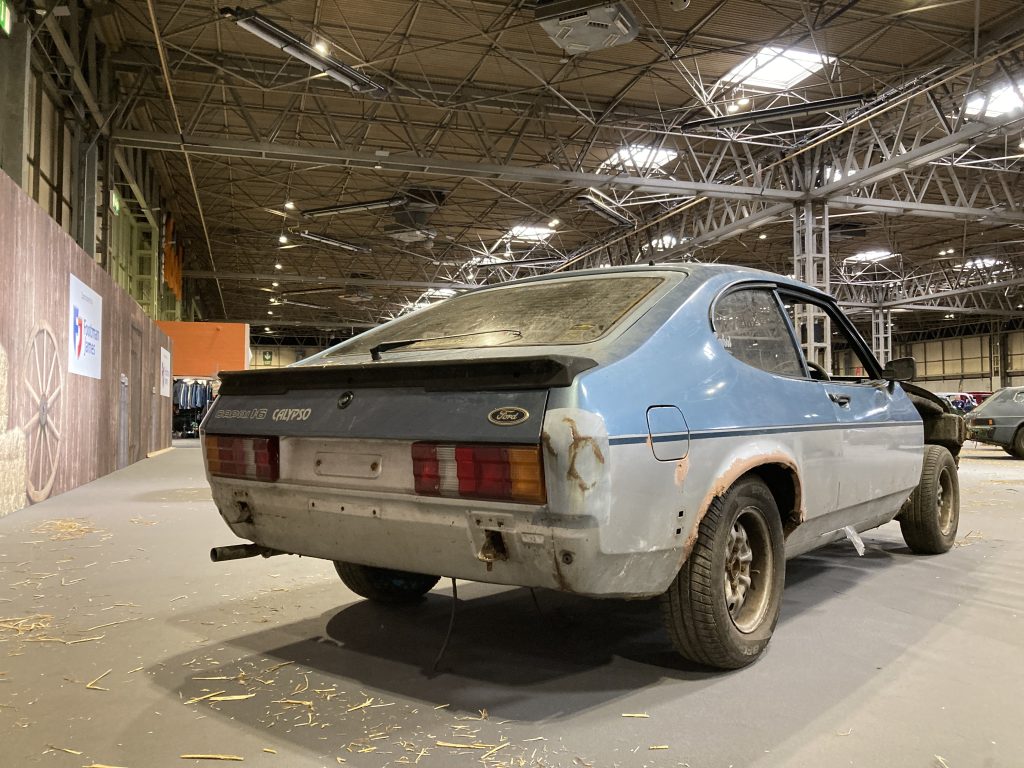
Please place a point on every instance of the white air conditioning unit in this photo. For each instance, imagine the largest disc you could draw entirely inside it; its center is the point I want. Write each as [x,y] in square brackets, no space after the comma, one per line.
[581,26]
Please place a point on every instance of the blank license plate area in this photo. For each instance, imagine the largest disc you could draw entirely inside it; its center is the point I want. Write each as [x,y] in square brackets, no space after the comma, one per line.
[342,464]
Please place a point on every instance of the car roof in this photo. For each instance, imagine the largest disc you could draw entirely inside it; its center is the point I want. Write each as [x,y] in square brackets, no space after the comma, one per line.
[695,271]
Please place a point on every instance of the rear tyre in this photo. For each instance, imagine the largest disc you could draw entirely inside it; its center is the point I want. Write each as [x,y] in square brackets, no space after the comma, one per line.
[383,585]
[1018,444]
[722,607]
[930,518]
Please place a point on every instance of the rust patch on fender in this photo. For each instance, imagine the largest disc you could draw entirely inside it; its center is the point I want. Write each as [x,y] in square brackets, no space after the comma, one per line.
[682,469]
[727,479]
[546,439]
[578,442]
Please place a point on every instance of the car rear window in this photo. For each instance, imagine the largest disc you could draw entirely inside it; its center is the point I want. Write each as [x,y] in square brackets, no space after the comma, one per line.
[564,312]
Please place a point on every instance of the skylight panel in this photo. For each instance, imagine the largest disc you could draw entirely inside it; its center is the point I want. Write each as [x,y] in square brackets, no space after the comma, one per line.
[530,234]
[983,262]
[638,157]
[869,256]
[1001,102]
[777,68]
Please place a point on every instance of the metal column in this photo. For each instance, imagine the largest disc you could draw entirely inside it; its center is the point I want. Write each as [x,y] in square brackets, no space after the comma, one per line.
[881,334]
[16,114]
[811,265]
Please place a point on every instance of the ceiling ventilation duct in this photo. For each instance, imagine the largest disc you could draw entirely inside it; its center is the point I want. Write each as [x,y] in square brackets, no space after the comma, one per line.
[581,26]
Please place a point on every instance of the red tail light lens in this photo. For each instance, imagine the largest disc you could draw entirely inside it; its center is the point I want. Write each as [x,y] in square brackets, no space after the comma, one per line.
[497,472]
[244,458]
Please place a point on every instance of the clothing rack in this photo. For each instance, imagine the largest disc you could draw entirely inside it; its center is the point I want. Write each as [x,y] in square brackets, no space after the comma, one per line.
[192,398]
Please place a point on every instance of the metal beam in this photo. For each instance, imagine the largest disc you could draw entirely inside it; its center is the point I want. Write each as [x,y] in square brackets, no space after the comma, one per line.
[202,145]
[340,282]
[276,322]
[440,166]
[102,121]
[982,288]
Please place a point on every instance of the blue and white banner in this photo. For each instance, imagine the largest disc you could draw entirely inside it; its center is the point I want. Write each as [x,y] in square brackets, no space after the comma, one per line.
[165,372]
[85,340]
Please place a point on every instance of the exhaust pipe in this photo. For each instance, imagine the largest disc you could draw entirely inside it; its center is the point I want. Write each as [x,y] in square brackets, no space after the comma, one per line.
[241,551]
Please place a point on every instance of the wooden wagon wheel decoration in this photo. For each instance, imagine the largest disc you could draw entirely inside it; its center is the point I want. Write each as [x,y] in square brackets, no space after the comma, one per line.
[44,382]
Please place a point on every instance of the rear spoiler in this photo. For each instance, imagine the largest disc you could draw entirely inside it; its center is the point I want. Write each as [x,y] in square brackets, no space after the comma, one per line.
[500,373]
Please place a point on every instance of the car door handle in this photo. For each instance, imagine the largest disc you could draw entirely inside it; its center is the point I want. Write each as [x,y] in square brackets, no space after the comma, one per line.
[843,401]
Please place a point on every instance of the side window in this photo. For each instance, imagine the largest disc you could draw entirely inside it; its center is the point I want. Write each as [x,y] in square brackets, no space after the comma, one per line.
[751,327]
[831,353]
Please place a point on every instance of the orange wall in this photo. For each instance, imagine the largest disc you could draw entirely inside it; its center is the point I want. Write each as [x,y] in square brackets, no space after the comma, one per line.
[205,349]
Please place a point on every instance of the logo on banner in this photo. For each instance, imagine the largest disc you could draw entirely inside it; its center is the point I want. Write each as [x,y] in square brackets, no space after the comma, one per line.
[86,332]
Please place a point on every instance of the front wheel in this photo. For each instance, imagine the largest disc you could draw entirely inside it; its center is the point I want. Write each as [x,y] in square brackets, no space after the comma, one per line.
[722,607]
[932,513]
[384,585]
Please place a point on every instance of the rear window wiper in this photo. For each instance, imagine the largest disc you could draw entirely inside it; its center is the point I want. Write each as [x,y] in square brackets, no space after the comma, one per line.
[384,346]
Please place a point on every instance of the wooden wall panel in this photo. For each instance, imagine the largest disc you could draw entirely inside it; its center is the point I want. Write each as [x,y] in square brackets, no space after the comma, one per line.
[86,427]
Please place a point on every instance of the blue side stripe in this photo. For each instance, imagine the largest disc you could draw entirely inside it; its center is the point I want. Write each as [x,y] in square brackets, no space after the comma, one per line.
[751,431]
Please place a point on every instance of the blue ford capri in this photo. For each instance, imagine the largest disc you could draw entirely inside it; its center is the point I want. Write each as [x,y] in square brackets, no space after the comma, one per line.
[670,432]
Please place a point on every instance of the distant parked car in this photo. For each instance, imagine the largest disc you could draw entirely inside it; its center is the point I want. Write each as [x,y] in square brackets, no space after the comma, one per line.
[962,401]
[1000,421]
[630,432]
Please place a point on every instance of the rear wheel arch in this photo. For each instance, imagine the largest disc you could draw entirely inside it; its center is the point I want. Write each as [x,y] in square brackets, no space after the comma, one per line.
[784,483]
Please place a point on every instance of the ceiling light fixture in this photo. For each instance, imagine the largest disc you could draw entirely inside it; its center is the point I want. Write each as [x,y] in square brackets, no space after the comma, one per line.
[332,241]
[289,205]
[762,236]
[598,202]
[368,205]
[294,46]
[278,266]
[282,238]
[554,223]
[275,284]
[773,113]
[321,47]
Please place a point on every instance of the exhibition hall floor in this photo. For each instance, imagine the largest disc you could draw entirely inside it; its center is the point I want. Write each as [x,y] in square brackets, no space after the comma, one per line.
[121,644]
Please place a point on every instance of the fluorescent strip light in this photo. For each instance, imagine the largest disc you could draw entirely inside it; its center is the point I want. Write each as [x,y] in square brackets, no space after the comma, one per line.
[369,205]
[605,207]
[327,240]
[294,46]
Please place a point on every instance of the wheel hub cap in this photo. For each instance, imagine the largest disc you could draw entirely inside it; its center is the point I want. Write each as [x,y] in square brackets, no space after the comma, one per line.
[737,569]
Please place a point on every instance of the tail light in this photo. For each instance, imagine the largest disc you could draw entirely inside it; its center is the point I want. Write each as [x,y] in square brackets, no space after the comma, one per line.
[469,471]
[245,458]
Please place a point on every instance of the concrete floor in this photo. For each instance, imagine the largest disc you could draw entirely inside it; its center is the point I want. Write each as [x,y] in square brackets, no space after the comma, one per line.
[883,660]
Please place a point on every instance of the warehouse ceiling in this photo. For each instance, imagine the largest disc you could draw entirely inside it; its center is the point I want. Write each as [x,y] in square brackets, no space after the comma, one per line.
[472,148]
